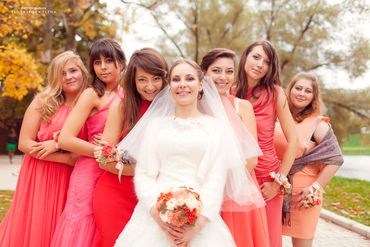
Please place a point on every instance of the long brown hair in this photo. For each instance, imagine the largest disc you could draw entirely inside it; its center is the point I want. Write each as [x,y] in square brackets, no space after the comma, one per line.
[314,108]
[52,97]
[152,62]
[215,54]
[109,49]
[271,78]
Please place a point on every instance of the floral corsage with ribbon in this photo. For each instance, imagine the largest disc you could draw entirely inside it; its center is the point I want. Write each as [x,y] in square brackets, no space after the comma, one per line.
[107,153]
[285,186]
[313,198]
[179,206]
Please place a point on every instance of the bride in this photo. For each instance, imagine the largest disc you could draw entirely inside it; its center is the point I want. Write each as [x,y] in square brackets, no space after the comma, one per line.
[185,139]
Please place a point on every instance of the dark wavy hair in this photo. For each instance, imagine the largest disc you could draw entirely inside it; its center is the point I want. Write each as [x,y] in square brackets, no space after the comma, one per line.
[314,108]
[109,49]
[271,78]
[215,54]
[152,62]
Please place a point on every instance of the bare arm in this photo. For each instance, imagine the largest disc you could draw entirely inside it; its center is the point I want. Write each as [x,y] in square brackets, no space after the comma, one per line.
[248,118]
[112,134]
[328,171]
[288,127]
[68,139]
[270,189]
[28,143]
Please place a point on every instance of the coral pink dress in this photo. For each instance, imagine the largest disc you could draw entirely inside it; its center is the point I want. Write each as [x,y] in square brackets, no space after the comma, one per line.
[303,221]
[114,202]
[265,111]
[249,229]
[40,195]
[76,226]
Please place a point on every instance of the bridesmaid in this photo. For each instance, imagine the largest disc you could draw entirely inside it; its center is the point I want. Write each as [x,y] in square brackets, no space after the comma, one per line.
[44,177]
[114,201]
[314,166]
[76,227]
[247,228]
[258,81]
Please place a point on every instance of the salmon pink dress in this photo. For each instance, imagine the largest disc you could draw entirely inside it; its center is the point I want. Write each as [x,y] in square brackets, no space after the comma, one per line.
[265,112]
[40,194]
[76,227]
[249,229]
[114,202]
[303,221]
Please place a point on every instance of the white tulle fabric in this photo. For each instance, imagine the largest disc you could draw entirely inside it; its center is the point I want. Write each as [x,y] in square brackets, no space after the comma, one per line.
[235,146]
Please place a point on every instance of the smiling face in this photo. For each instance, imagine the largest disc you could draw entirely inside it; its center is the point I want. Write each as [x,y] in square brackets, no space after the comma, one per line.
[185,84]
[107,70]
[72,78]
[301,94]
[257,64]
[147,85]
[222,73]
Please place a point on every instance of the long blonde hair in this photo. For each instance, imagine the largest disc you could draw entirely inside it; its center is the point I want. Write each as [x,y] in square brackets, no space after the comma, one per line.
[52,97]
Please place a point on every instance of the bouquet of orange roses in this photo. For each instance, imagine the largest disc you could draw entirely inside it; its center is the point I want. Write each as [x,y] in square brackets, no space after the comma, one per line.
[179,206]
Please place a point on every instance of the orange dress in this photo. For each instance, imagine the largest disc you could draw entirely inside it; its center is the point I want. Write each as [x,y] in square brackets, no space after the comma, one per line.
[249,229]
[303,221]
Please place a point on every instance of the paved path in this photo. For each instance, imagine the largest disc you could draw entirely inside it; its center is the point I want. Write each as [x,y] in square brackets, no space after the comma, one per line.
[355,167]
[331,235]
[328,234]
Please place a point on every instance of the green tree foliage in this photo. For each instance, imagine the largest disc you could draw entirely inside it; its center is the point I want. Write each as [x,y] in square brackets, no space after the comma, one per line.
[349,110]
[32,32]
[309,35]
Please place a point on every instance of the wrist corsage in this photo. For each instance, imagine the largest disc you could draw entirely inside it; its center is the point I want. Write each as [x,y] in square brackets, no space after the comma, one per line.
[108,154]
[285,186]
[313,198]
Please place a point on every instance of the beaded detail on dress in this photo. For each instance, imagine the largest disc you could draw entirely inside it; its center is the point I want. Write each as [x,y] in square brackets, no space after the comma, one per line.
[184,124]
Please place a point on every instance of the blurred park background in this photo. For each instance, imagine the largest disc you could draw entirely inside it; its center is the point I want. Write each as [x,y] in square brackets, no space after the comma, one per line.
[330,38]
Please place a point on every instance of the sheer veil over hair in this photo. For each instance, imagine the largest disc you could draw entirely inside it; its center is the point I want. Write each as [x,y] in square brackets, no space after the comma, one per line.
[241,193]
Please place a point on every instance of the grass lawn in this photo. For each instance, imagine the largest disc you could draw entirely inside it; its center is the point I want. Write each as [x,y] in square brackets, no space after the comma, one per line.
[356,150]
[344,196]
[5,201]
[354,146]
[349,198]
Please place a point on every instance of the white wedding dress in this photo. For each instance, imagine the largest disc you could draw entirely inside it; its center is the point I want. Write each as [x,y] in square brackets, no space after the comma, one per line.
[179,152]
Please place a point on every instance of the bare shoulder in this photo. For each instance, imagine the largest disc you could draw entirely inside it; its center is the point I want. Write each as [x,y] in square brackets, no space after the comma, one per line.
[321,130]
[36,103]
[88,93]
[88,99]
[245,105]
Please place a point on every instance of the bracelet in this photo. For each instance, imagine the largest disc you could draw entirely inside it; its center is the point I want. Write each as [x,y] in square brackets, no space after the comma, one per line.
[285,186]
